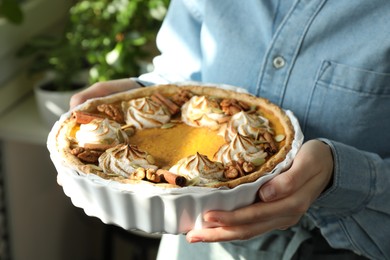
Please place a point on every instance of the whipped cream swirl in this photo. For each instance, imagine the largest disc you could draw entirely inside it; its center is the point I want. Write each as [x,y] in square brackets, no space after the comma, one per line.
[124,159]
[201,111]
[100,131]
[241,147]
[199,166]
[245,124]
[145,113]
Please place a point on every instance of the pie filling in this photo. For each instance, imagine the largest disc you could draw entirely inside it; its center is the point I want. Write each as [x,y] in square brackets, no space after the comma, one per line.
[180,137]
[169,145]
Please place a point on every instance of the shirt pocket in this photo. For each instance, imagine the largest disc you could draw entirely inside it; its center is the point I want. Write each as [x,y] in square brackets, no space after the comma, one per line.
[350,105]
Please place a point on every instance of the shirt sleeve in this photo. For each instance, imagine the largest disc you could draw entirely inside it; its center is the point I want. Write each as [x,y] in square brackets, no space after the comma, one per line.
[178,42]
[354,213]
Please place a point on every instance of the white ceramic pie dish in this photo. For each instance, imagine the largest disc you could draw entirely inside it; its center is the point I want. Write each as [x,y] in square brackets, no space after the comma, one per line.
[154,209]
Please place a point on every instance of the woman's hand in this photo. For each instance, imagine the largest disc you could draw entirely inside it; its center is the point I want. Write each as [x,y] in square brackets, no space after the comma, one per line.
[101,89]
[284,199]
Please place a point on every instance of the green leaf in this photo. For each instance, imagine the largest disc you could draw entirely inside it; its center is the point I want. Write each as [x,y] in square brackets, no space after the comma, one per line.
[110,38]
[11,10]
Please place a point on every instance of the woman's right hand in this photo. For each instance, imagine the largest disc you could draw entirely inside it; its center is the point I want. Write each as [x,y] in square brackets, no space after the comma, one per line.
[101,89]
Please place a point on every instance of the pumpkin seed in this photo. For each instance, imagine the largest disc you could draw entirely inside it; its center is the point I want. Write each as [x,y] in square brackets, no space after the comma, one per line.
[193,182]
[150,159]
[217,110]
[279,138]
[167,125]
[258,161]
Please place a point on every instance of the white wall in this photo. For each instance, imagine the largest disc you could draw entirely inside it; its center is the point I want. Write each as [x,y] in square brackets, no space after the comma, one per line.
[39,16]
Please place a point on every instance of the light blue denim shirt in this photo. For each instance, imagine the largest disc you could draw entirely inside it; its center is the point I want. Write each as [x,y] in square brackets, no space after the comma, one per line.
[326,60]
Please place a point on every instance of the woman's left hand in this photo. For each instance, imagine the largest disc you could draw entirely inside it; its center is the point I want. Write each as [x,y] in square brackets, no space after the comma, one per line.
[283,200]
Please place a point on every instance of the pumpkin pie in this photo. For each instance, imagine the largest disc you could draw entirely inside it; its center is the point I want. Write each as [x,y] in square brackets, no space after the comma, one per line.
[175,136]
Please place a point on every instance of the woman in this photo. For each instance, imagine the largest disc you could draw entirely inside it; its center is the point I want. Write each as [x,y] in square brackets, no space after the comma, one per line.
[328,62]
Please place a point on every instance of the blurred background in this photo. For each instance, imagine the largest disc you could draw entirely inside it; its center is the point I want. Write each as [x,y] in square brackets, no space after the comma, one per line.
[50,49]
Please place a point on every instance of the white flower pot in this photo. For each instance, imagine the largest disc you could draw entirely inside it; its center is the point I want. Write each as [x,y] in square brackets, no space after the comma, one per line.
[52,104]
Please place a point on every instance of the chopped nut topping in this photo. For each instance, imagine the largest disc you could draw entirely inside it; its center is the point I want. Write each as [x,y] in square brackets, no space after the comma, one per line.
[182,97]
[248,167]
[231,173]
[233,106]
[236,169]
[113,111]
[139,174]
[152,176]
[77,150]
[90,156]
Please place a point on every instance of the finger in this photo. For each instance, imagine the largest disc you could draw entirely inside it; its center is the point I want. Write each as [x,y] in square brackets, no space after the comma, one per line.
[101,89]
[242,232]
[98,89]
[306,165]
[258,212]
[284,184]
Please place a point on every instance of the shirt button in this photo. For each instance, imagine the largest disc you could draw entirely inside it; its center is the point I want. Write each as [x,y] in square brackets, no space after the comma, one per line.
[278,62]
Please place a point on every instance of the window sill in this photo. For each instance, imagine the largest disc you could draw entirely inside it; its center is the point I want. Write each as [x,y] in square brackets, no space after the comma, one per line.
[22,123]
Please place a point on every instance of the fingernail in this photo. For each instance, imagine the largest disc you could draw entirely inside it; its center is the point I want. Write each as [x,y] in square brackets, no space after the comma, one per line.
[212,219]
[267,193]
[193,239]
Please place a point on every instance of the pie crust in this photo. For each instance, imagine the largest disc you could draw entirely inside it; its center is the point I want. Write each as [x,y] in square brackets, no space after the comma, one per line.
[174,130]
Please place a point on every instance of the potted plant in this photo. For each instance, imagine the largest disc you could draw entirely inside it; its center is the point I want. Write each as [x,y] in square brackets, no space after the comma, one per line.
[117,36]
[59,70]
[109,39]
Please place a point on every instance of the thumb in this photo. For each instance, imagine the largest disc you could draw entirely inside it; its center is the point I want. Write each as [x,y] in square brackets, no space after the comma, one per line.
[284,184]
[267,192]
